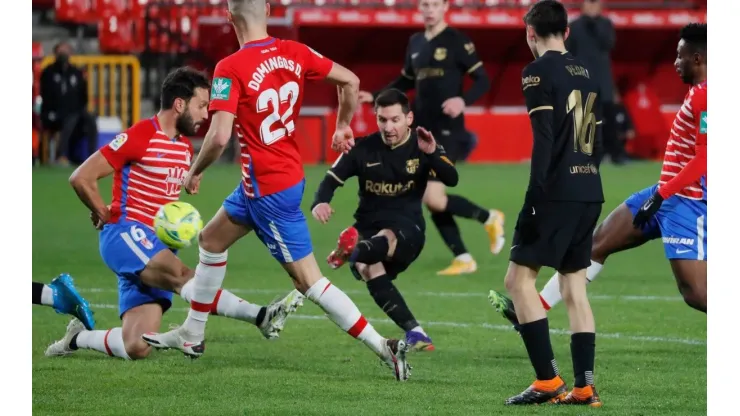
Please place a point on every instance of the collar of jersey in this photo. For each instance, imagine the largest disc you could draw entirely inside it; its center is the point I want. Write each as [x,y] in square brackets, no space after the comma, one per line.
[259,43]
[402,142]
[155,121]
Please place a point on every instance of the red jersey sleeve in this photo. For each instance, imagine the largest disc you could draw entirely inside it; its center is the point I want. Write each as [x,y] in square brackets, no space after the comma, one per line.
[127,147]
[225,89]
[317,65]
[697,167]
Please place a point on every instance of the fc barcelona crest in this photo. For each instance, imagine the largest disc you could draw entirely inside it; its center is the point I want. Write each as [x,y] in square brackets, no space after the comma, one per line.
[440,54]
[412,165]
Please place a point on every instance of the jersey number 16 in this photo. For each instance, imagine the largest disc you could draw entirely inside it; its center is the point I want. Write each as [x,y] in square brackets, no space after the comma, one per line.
[584,121]
[273,98]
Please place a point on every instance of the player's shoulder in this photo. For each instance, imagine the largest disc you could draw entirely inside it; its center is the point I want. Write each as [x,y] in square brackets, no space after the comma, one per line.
[698,93]
[456,34]
[534,73]
[367,142]
[142,130]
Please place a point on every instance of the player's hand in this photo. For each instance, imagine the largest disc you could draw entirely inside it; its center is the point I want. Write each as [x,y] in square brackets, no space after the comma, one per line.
[647,210]
[365,97]
[322,212]
[427,144]
[192,183]
[343,139]
[453,107]
[99,220]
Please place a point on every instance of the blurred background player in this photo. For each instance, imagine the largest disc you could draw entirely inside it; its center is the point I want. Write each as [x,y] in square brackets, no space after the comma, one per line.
[436,63]
[561,207]
[392,168]
[151,153]
[676,207]
[592,38]
[62,295]
[258,90]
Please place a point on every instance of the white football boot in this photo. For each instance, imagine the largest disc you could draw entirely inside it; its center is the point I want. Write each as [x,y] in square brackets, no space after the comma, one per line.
[61,347]
[395,358]
[191,345]
[277,313]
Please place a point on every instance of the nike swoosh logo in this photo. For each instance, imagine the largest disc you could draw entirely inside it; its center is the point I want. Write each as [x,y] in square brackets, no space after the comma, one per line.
[373,164]
[188,344]
[682,251]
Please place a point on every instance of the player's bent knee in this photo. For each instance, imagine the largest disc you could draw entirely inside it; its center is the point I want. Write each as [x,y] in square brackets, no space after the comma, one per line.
[435,197]
[137,349]
[392,240]
[370,271]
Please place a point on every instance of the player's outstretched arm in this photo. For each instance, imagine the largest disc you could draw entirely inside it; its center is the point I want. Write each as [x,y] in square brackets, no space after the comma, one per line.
[697,167]
[343,168]
[441,166]
[348,88]
[215,142]
[84,181]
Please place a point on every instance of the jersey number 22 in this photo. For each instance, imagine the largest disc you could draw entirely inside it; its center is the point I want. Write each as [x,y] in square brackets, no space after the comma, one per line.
[271,99]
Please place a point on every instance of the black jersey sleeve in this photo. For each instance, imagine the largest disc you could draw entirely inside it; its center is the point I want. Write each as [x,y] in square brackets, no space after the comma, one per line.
[343,168]
[538,94]
[442,168]
[469,62]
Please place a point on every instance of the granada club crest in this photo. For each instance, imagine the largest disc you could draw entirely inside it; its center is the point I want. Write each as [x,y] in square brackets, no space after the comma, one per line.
[174,180]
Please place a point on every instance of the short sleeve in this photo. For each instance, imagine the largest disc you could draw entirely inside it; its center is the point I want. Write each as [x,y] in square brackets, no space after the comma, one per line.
[536,89]
[344,167]
[125,148]
[699,111]
[224,89]
[317,65]
[466,55]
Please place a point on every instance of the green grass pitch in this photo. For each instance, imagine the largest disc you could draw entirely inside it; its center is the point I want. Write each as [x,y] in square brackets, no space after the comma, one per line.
[651,347]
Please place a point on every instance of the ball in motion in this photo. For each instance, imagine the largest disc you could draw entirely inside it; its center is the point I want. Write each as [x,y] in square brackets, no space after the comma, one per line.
[177,224]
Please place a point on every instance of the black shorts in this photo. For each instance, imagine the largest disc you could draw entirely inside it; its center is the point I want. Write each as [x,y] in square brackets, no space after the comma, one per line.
[565,237]
[409,243]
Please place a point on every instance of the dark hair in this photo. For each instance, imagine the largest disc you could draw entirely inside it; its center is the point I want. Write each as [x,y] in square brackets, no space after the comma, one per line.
[391,97]
[695,35]
[181,83]
[59,45]
[548,18]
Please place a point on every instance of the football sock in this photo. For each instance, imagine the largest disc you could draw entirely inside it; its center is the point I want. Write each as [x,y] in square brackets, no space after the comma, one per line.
[462,207]
[550,294]
[389,299]
[449,231]
[370,251]
[536,336]
[209,276]
[343,312]
[229,305]
[108,342]
[420,330]
[583,350]
[42,294]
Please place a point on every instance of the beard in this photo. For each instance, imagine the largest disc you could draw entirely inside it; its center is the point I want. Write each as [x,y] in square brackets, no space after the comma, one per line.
[185,124]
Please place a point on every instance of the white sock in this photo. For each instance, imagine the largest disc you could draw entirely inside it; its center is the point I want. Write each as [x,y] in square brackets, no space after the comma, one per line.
[209,276]
[420,330]
[343,312]
[550,294]
[47,296]
[226,304]
[108,342]
[465,257]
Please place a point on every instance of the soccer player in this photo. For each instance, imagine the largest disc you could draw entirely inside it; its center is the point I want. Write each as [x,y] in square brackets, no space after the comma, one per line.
[148,162]
[676,207]
[259,90]
[561,206]
[62,295]
[392,167]
[437,61]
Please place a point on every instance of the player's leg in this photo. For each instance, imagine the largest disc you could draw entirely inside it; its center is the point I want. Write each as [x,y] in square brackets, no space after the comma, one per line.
[281,226]
[573,280]
[62,295]
[435,198]
[691,277]
[378,261]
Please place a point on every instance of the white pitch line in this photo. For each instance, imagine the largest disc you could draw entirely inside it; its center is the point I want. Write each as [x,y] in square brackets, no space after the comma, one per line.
[508,328]
[628,298]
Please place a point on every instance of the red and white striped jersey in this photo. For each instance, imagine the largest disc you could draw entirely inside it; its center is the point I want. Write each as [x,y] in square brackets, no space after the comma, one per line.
[688,131]
[150,168]
[262,84]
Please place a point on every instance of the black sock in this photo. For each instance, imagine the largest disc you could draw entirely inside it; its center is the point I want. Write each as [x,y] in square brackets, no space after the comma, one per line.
[449,231]
[37,289]
[391,302]
[260,316]
[536,336]
[73,342]
[583,350]
[370,251]
[462,207]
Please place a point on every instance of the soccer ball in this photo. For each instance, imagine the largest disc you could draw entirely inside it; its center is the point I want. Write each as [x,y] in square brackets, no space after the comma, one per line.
[177,224]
